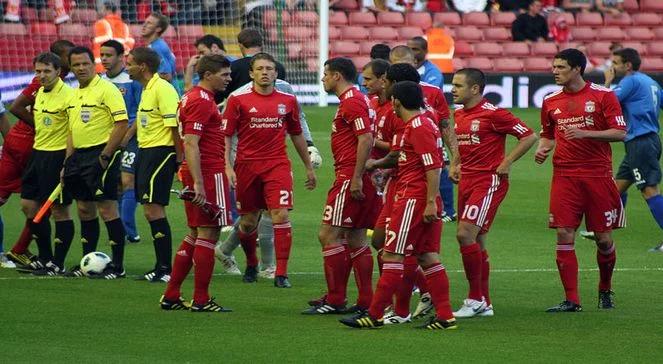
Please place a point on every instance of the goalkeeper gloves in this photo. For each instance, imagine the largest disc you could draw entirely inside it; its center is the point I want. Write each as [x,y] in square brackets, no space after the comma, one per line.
[316,158]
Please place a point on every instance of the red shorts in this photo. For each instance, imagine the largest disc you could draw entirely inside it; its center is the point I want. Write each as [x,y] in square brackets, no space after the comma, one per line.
[407,234]
[479,196]
[595,198]
[216,191]
[16,152]
[344,211]
[263,185]
[388,196]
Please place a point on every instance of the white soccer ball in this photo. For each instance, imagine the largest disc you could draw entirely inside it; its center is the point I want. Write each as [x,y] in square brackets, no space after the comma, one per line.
[94,263]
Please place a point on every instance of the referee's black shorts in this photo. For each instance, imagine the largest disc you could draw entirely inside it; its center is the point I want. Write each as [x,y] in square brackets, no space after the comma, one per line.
[42,175]
[155,170]
[86,180]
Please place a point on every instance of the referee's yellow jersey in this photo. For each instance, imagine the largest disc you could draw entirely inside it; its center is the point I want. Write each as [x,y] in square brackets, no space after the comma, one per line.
[52,117]
[93,112]
[157,114]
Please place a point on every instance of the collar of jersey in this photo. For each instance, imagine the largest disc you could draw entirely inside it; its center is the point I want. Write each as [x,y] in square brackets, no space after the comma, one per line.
[94,81]
[152,81]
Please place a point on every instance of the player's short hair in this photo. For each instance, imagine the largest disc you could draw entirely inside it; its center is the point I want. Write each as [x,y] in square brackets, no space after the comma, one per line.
[250,38]
[409,94]
[119,48]
[145,55]
[401,51]
[109,5]
[344,66]
[81,50]
[380,51]
[208,40]
[48,58]
[422,42]
[162,22]
[211,63]
[629,55]
[378,67]
[403,72]
[574,58]
[262,56]
[473,76]
[61,46]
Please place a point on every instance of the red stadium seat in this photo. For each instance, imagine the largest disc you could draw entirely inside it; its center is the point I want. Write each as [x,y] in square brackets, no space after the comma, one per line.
[448,18]
[488,49]
[655,48]
[610,33]
[623,19]
[515,49]
[646,19]
[344,48]
[481,63]
[537,64]
[354,33]
[365,47]
[546,49]
[406,33]
[502,18]
[312,64]
[570,20]
[599,49]
[29,15]
[299,50]
[652,64]
[299,33]
[361,18]
[383,33]
[458,63]
[421,20]
[476,18]
[334,33]
[390,18]
[269,17]
[651,5]
[86,16]
[306,17]
[590,19]
[360,61]
[509,65]
[463,48]
[631,6]
[13,29]
[498,34]
[338,18]
[194,31]
[347,5]
[639,33]
[44,29]
[640,47]
[66,30]
[583,33]
[469,32]
[658,32]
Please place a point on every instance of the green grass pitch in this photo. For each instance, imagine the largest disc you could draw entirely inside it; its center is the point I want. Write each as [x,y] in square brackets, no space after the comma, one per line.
[81,320]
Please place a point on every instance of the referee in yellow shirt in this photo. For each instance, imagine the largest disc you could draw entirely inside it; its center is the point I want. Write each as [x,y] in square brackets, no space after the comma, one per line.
[98,122]
[159,153]
[42,173]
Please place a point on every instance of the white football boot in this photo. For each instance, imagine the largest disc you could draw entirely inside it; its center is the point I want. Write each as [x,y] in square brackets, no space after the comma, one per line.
[470,308]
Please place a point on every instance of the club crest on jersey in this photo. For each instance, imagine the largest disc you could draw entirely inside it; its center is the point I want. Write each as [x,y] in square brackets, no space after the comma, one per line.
[86,115]
[590,106]
[475,125]
[281,109]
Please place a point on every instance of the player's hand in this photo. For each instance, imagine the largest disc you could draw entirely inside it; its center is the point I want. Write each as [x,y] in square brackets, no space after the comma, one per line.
[370,165]
[356,188]
[199,197]
[232,177]
[103,163]
[504,169]
[575,133]
[609,75]
[193,61]
[541,154]
[430,213]
[311,180]
[314,155]
[454,172]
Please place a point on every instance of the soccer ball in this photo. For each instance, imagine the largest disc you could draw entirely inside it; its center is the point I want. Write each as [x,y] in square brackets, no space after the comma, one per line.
[94,263]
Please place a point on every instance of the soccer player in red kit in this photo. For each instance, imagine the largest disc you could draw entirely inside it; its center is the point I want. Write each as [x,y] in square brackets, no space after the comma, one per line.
[415,225]
[579,121]
[262,174]
[352,202]
[202,172]
[481,129]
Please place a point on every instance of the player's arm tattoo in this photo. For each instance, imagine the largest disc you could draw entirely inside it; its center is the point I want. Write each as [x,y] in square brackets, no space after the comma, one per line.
[449,138]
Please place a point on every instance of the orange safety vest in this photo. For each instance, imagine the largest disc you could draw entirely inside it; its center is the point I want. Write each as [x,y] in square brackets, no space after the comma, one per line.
[440,49]
[110,27]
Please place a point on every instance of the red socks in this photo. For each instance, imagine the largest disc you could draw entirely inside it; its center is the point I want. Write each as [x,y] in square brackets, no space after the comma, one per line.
[362,263]
[567,264]
[606,260]
[420,281]
[249,244]
[472,261]
[203,258]
[282,245]
[336,266]
[391,279]
[404,291]
[485,275]
[438,286]
[181,267]
[24,239]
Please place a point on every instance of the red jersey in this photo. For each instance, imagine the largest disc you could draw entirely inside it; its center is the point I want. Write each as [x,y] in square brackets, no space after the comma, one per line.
[420,152]
[200,116]
[354,117]
[261,122]
[435,101]
[481,132]
[592,108]
[388,127]
[21,128]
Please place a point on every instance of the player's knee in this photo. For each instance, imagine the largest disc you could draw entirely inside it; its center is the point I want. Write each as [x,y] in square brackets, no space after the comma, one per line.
[279,216]
[86,211]
[248,224]
[650,191]
[377,241]
[127,182]
[464,236]
[565,236]
[153,212]
[326,236]
[427,259]
[391,257]
[603,240]
[60,212]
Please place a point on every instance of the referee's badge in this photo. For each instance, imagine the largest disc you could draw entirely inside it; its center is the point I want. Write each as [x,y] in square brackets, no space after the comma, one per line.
[86,115]
[143,120]
[281,109]
[590,106]
[48,121]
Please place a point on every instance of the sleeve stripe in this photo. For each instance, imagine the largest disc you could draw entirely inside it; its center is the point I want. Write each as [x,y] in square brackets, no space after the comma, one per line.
[520,129]
[119,113]
[167,116]
[359,124]
[427,159]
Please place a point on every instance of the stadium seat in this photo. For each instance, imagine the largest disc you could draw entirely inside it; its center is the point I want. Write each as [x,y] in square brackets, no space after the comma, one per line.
[383,33]
[590,19]
[481,63]
[421,20]
[29,15]
[194,31]
[354,33]
[66,30]
[652,64]
[476,18]
[46,15]
[658,32]
[509,65]
[299,33]
[347,5]
[463,48]
[651,5]
[306,49]
[447,18]
[390,18]
[502,18]
[269,17]
[334,33]
[631,6]
[361,18]
[515,49]
[537,64]
[599,49]
[13,29]
[406,33]
[639,33]
[640,47]
[365,47]
[623,19]
[470,33]
[458,63]
[312,64]
[570,20]
[488,49]
[360,61]
[655,48]
[44,29]
[344,48]
[338,18]
[646,19]
[306,17]
[545,49]
[85,16]
[583,33]
[610,33]
[498,34]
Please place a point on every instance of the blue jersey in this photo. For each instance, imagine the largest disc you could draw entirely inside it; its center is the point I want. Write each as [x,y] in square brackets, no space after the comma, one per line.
[131,91]
[431,74]
[167,64]
[640,98]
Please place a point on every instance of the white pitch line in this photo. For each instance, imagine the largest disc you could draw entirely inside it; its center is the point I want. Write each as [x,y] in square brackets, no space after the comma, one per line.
[505,270]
